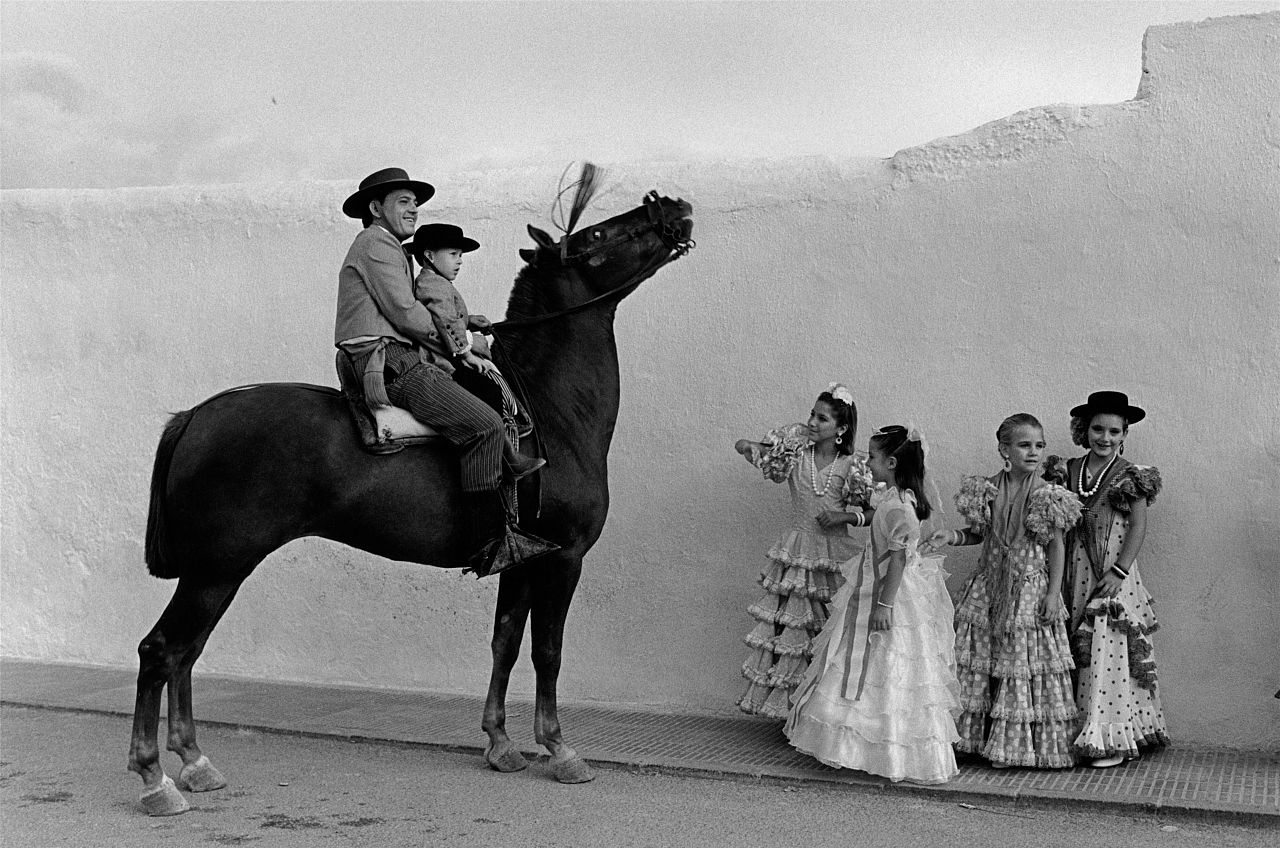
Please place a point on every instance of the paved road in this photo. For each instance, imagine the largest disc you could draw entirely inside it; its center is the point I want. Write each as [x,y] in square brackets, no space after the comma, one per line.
[63,782]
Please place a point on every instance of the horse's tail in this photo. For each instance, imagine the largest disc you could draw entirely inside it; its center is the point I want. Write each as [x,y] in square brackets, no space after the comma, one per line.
[157,563]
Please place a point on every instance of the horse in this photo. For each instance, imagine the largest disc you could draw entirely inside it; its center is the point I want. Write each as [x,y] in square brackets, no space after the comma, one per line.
[248,470]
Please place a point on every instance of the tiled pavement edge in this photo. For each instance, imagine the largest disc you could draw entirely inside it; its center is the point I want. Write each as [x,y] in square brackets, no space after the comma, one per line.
[1244,787]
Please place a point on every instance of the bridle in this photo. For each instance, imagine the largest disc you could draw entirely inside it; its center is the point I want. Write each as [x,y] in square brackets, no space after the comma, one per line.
[668,230]
[678,245]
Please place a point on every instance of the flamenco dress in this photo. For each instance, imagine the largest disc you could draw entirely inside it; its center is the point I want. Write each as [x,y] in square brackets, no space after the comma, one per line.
[883,701]
[803,571]
[1116,689]
[1017,704]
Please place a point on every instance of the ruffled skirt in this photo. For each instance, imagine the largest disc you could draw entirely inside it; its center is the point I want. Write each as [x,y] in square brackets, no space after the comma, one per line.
[1018,708]
[883,702]
[1117,692]
[802,577]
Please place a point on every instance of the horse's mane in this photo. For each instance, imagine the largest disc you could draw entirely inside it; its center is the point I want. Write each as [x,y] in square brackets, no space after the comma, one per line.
[523,299]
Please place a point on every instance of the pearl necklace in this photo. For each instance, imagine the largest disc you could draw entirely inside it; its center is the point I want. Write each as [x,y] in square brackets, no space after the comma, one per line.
[1097,478]
[813,474]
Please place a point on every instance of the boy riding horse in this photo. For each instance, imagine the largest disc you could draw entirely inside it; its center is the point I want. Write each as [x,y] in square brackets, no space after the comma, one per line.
[395,347]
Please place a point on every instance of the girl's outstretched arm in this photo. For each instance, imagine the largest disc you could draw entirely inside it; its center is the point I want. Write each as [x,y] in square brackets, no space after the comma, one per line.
[955,538]
[882,615]
[1051,603]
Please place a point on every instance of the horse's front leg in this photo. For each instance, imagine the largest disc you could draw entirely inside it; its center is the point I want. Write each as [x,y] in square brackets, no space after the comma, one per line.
[553,587]
[508,631]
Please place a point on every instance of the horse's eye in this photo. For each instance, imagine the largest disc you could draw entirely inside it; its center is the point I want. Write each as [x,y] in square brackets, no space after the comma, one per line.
[597,234]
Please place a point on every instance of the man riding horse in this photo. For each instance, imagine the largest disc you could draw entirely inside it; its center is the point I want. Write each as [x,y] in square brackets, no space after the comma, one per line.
[394,346]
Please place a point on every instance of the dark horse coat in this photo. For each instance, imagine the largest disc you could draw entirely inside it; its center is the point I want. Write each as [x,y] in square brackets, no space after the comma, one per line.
[251,469]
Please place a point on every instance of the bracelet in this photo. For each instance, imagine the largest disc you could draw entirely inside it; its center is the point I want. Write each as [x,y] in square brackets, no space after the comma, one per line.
[860,519]
[959,537]
[883,604]
[1119,572]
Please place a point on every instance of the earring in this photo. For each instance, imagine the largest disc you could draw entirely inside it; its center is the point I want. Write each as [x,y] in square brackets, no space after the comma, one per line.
[1122,448]
[1007,464]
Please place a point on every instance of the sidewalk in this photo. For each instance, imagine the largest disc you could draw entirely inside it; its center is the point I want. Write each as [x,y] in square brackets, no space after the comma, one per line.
[1241,787]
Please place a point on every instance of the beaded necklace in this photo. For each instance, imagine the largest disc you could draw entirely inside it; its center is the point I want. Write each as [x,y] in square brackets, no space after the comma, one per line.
[1097,478]
[813,474]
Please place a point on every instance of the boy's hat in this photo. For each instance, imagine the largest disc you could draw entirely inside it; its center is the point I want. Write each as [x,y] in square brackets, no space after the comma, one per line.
[1109,403]
[436,236]
[379,183]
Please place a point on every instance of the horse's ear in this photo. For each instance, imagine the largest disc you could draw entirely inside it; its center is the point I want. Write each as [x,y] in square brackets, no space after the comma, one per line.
[528,255]
[541,237]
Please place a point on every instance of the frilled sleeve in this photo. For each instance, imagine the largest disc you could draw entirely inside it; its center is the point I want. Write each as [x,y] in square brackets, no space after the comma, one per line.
[1051,509]
[782,447]
[1136,481]
[855,494]
[973,502]
[899,524]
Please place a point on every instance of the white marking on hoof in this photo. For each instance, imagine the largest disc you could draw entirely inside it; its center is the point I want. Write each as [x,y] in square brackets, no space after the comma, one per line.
[572,769]
[201,776]
[505,759]
[164,800]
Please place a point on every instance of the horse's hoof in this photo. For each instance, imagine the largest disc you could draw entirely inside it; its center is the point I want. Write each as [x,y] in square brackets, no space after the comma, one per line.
[505,759]
[164,800]
[201,776]
[572,770]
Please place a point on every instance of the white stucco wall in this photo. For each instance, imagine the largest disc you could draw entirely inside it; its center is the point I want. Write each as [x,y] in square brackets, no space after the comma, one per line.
[1014,268]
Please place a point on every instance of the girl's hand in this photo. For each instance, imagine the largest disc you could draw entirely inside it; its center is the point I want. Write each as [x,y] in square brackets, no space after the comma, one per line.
[833,518]
[882,618]
[938,539]
[1051,607]
[1109,586]
[749,449]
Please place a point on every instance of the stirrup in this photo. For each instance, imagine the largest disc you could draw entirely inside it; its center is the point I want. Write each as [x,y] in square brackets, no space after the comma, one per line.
[513,548]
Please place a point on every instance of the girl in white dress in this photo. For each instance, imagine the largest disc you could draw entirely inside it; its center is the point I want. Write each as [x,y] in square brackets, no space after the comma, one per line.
[881,689]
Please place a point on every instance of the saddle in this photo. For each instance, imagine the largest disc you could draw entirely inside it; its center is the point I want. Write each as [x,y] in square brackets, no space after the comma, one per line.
[382,430]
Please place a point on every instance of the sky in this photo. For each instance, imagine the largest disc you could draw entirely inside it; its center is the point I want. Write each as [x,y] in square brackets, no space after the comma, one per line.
[107,94]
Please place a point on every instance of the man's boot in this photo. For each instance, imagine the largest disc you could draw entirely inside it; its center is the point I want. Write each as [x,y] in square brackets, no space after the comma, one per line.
[498,545]
[518,465]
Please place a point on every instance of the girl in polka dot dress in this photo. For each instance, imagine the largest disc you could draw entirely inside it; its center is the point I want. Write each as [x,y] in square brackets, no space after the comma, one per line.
[829,488]
[1111,615]
[1013,659]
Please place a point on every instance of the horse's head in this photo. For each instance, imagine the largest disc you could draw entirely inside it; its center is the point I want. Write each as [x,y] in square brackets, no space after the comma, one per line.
[604,259]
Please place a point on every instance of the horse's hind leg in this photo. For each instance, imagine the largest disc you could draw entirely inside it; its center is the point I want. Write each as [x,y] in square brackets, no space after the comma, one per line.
[508,630]
[198,774]
[553,589]
[163,656]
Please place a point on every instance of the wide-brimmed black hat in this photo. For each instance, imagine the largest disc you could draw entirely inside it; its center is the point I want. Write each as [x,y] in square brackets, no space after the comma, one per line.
[381,182]
[436,236]
[1109,403]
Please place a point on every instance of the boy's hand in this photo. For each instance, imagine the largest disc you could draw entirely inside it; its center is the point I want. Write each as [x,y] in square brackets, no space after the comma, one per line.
[475,363]
[481,324]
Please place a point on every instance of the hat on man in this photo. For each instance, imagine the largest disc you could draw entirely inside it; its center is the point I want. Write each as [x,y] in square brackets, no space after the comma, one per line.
[378,184]
[1109,403]
[437,236]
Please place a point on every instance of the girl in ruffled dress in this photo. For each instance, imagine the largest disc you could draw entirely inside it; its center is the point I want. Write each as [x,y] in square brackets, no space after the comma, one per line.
[829,487]
[1013,659]
[1111,616]
[881,690]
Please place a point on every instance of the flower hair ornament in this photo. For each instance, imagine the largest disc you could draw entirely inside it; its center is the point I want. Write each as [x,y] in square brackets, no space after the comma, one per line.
[841,393]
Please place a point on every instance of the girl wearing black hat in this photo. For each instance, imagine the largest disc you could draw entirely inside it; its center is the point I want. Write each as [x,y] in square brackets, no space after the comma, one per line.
[1111,615]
